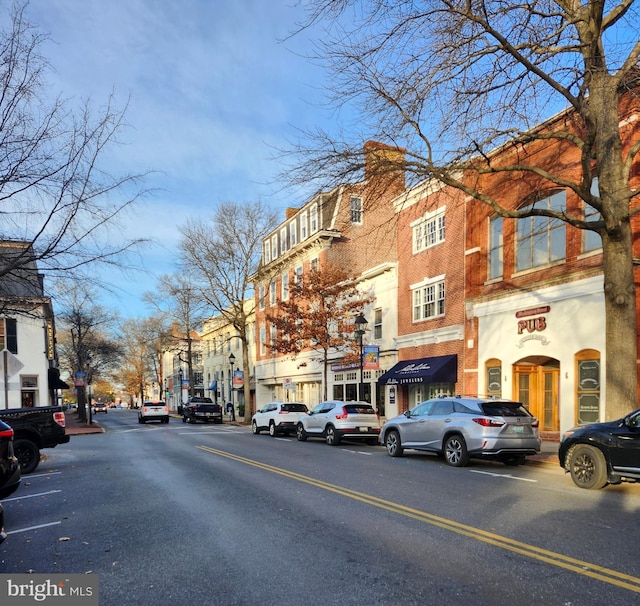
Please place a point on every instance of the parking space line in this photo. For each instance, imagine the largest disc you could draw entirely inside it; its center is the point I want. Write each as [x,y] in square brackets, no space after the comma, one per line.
[508,476]
[30,496]
[33,527]
[43,474]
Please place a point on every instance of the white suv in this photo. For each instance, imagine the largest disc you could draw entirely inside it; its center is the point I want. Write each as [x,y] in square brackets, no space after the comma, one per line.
[153,410]
[278,417]
[334,420]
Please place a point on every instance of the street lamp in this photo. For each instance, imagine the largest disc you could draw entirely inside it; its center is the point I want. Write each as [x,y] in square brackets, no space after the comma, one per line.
[361,326]
[232,360]
[180,375]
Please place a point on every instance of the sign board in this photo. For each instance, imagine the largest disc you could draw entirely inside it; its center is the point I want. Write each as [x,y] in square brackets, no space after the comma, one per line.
[9,364]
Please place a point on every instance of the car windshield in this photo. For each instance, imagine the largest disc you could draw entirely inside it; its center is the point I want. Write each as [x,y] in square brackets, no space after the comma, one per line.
[294,408]
[505,409]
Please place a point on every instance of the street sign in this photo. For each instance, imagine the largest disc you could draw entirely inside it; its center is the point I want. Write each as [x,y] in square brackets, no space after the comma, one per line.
[9,364]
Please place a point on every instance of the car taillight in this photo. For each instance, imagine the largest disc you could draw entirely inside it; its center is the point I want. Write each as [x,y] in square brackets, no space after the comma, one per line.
[60,419]
[144,409]
[488,422]
[344,414]
[535,423]
[283,412]
[6,433]
[166,409]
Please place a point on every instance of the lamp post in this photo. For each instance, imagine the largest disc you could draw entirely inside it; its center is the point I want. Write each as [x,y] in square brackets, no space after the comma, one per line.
[232,360]
[180,375]
[361,326]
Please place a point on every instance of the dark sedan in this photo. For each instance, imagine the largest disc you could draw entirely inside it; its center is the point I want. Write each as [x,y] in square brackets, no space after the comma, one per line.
[597,454]
[9,470]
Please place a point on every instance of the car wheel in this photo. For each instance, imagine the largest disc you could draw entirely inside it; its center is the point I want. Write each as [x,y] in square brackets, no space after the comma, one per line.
[587,466]
[184,419]
[140,420]
[272,429]
[332,438]
[393,444]
[301,434]
[455,451]
[28,455]
[254,428]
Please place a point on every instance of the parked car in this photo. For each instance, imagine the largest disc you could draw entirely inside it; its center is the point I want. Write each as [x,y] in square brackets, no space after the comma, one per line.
[598,454]
[201,409]
[9,470]
[463,428]
[153,410]
[278,417]
[100,407]
[334,420]
[9,465]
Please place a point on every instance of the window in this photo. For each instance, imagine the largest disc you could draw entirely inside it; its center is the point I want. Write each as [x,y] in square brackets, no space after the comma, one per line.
[9,334]
[355,206]
[283,240]
[540,241]
[313,219]
[293,233]
[298,275]
[304,229]
[428,230]
[495,248]
[274,338]
[266,251]
[261,297]
[494,377]
[377,324]
[274,247]
[591,240]
[272,293]
[313,264]
[588,386]
[285,287]
[263,340]
[428,300]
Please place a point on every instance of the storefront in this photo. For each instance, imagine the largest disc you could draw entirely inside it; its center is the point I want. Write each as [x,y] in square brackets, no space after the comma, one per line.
[410,382]
[546,349]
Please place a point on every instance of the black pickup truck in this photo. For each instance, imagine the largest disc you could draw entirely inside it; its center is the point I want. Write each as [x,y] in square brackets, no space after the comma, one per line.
[201,409]
[35,428]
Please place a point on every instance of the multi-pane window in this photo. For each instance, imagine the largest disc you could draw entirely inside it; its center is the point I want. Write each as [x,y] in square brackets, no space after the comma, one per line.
[272,293]
[541,240]
[428,300]
[313,219]
[267,251]
[304,229]
[495,248]
[313,264]
[263,340]
[261,297]
[283,240]
[293,233]
[9,334]
[591,240]
[274,338]
[285,286]
[377,324]
[355,206]
[298,274]
[274,246]
[428,230]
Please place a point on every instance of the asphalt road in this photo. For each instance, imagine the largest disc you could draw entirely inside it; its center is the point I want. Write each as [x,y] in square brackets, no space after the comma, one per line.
[213,515]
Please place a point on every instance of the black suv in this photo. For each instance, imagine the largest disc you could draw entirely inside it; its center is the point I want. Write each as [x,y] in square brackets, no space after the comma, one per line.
[597,454]
[9,470]
[201,409]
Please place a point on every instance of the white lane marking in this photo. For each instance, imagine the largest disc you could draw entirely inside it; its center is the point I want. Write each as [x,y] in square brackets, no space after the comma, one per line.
[33,527]
[503,475]
[30,496]
[44,474]
[357,452]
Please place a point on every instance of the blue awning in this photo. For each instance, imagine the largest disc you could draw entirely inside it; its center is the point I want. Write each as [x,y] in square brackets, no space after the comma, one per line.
[438,369]
[213,386]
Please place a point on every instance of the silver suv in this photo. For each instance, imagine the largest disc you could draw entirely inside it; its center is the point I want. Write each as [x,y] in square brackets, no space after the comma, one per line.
[461,428]
[334,420]
[278,417]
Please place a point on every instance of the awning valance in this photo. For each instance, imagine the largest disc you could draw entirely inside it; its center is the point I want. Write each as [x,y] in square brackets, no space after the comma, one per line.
[438,369]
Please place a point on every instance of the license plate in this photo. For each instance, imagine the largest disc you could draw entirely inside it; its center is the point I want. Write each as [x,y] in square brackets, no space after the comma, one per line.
[363,429]
[518,429]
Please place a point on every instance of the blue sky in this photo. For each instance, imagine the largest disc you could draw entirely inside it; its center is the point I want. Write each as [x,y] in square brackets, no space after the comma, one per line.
[212,91]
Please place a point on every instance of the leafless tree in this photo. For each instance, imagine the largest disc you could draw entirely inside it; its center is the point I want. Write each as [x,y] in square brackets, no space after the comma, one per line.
[222,254]
[55,190]
[452,81]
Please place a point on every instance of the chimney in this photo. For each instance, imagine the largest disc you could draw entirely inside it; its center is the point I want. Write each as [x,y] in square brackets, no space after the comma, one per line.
[385,164]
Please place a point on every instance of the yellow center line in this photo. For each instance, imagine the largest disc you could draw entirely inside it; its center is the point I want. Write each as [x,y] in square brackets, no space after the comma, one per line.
[582,567]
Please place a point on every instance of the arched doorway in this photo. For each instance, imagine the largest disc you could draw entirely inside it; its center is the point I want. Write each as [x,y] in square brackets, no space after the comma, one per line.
[536,384]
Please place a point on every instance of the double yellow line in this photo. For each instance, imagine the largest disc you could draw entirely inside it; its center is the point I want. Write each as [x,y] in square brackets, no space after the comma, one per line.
[600,573]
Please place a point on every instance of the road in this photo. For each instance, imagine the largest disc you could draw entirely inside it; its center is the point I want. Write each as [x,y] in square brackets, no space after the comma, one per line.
[213,515]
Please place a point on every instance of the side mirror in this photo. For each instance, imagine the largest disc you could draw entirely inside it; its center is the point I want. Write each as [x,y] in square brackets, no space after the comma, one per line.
[407,413]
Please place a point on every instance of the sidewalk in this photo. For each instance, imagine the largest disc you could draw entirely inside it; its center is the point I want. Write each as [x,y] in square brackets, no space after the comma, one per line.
[548,453]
